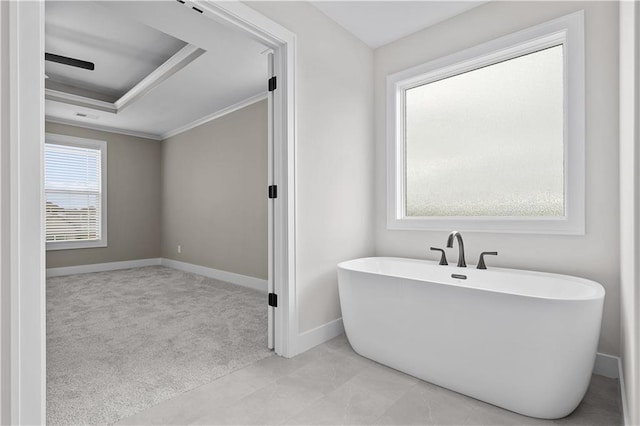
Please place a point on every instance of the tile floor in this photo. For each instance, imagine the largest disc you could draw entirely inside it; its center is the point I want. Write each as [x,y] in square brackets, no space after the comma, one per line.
[331,384]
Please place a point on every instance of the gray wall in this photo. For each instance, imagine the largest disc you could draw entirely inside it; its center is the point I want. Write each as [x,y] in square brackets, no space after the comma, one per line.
[334,154]
[133,200]
[595,255]
[214,199]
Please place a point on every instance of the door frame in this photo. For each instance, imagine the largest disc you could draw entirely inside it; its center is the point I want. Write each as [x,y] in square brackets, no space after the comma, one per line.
[25,195]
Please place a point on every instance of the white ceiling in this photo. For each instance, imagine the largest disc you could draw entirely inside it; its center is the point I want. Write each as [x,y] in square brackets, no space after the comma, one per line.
[381,22]
[129,40]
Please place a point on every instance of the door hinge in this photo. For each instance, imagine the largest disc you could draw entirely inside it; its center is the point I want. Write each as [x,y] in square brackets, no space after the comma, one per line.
[273,83]
[273,191]
[273,300]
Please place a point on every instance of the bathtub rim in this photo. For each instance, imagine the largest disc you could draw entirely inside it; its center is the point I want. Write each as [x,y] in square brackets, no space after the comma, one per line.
[600,291]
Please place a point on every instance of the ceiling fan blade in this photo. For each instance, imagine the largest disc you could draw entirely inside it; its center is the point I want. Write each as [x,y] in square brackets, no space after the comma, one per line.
[69,61]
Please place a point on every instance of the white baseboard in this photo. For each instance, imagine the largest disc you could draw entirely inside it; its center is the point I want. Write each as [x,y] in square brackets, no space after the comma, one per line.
[319,335]
[611,366]
[623,394]
[101,267]
[607,366]
[230,277]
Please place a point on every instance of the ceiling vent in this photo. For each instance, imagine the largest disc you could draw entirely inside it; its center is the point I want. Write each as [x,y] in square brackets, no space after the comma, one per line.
[83,115]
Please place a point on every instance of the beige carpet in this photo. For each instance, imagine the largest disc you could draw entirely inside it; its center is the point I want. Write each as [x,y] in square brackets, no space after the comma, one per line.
[122,341]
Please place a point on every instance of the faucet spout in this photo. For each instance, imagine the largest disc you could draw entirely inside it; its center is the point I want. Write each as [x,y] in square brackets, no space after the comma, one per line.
[455,234]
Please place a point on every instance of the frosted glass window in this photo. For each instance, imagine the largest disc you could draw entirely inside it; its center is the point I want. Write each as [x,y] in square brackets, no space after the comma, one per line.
[491,138]
[488,142]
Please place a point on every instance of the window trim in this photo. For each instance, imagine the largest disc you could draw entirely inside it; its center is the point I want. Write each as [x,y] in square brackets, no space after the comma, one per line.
[93,144]
[567,30]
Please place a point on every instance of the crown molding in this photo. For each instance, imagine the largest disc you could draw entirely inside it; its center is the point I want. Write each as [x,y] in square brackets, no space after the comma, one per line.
[83,101]
[220,113]
[98,127]
[158,137]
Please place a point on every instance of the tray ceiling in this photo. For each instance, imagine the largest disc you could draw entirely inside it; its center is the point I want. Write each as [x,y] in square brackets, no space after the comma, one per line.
[123,50]
[158,66]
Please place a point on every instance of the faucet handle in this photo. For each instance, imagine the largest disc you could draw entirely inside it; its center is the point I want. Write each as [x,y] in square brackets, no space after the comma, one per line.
[443,258]
[481,264]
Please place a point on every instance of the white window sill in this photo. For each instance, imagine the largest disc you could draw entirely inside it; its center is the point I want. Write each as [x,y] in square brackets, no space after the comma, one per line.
[71,245]
[517,225]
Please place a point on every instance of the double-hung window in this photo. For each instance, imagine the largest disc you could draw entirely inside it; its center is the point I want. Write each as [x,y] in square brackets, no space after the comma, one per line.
[491,138]
[75,192]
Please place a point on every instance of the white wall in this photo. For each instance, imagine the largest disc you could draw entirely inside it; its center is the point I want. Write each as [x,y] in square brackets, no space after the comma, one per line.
[595,255]
[335,154]
[630,205]
[4,222]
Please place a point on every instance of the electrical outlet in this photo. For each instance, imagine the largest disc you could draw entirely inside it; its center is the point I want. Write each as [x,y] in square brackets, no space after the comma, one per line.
[179,248]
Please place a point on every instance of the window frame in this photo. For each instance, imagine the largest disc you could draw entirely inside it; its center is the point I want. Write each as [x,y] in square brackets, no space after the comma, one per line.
[568,31]
[56,139]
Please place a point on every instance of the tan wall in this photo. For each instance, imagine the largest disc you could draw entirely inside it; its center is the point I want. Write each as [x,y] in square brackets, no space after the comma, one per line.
[595,255]
[214,199]
[334,154]
[133,200]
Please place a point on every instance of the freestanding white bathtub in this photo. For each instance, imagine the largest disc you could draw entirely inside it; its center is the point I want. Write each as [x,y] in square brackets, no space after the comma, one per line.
[525,341]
